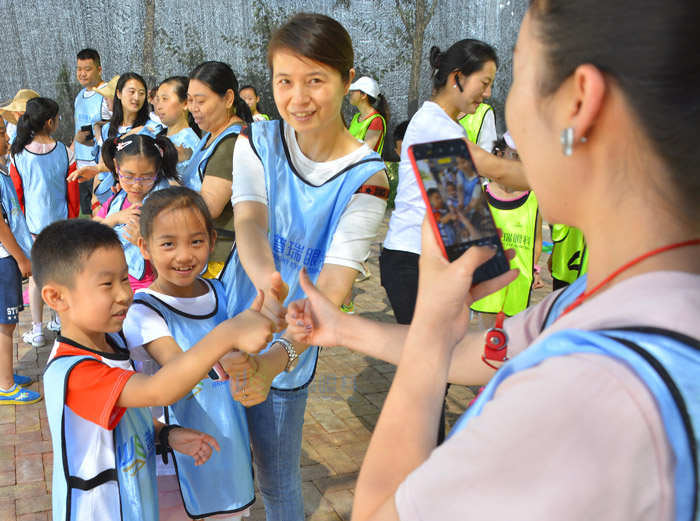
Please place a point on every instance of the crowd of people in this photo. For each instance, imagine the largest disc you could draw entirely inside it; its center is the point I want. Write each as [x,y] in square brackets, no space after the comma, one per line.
[196,255]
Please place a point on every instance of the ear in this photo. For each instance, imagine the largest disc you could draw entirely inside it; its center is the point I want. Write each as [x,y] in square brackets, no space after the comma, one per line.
[213,241]
[588,90]
[456,75]
[351,76]
[53,296]
[230,98]
[143,247]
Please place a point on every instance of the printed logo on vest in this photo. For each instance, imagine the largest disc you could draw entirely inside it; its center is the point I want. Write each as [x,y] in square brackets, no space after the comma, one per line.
[197,389]
[132,456]
[291,253]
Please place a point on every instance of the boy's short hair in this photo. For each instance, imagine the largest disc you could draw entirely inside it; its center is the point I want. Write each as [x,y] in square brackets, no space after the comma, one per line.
[62,248]
[432,191]
[400,131]
[89,54]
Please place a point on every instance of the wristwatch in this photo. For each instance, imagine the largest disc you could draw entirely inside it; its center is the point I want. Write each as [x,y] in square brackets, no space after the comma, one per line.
[291,353]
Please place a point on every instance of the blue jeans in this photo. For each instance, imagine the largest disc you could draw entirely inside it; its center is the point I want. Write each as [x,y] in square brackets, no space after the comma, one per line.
[275,432]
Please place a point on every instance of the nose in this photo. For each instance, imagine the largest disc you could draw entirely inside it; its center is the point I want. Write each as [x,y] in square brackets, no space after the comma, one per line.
[300,95]
[487,92]
[124,293]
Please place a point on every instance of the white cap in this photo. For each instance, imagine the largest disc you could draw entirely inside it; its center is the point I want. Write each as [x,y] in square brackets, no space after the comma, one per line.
[366,85]
[509,140]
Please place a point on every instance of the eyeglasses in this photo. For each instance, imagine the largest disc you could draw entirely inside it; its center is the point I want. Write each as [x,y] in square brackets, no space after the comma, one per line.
[143,181]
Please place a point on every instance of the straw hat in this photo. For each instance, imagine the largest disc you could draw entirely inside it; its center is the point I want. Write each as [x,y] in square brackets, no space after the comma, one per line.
[108,90]
[18,104]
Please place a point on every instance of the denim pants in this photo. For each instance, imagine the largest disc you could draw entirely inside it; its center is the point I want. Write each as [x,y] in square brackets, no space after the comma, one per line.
[275,428]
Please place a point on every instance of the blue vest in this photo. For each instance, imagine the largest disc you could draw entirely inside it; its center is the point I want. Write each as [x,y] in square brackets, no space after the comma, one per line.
[12,214]
[132,480]
[302,220]
[134,259]
[44,185]
[225,483]
[194,174]
[186,138]
[88,111]
[668,364]
[104,189]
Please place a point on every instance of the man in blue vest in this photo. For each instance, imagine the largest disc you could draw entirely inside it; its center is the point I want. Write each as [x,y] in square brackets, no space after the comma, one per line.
[90,108]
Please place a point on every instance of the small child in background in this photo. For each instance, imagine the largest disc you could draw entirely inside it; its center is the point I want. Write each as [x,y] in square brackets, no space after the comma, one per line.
[39,168]
[141,165]
[177,311]
[249,94]
[103,434]
[15,246]
[516,213]
[446,218]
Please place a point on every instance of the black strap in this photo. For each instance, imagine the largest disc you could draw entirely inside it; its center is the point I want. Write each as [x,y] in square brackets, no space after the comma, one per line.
[102,478]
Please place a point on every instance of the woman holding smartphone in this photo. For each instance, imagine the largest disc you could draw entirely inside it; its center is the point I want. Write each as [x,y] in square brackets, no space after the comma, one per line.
[306,194]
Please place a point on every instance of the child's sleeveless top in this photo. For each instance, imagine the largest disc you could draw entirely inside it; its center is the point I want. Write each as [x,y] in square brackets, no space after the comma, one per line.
[194,174]
[45,186]
[225,483]
[12,214]
[302,219]
[667,362]
[186,138]
[127,489]
[134,259]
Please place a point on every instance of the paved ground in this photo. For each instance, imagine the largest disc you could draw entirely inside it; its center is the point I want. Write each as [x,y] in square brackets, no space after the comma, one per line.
[344,405]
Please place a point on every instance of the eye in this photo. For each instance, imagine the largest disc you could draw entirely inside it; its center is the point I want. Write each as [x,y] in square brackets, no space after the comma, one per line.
[166,244]
[315,80]
[125,279]
[107,283]
[197,241]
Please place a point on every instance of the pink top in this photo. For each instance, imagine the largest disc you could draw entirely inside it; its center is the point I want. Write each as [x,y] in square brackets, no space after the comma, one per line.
[578,437]
[149,275]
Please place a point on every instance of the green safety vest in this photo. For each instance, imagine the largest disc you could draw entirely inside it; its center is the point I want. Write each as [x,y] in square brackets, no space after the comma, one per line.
[569,254]
[359,128]
[472,123]
[518,221]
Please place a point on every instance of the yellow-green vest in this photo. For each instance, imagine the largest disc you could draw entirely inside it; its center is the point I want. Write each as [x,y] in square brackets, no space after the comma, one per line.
[359,128]
[518,221]
[569,254]
[472,123]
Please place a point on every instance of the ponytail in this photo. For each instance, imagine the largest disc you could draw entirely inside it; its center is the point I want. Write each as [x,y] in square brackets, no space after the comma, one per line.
[168,164]
[109,150]
[39,111]
[380,105]
[242,109]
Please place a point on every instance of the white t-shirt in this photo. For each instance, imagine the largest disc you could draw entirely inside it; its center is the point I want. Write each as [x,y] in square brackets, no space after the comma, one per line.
[577,437]
[488,134]
[362,216]
[430,123]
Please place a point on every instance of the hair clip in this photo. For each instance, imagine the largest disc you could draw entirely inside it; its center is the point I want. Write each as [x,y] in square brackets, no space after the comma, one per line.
[121,146]
[160,150]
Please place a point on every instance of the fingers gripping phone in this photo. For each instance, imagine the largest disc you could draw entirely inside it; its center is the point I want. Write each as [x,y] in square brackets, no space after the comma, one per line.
[454,198]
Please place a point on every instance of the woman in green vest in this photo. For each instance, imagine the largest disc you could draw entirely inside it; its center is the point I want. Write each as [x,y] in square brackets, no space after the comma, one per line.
[369,124]
[480,126]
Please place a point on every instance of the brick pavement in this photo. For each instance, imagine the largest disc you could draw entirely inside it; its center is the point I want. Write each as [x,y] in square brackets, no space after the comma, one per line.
[344,405]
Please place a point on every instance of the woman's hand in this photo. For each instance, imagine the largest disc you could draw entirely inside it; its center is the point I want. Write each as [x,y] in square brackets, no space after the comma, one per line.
[315,319]
[250,378]
[445,289]
[276,292]
[193,443]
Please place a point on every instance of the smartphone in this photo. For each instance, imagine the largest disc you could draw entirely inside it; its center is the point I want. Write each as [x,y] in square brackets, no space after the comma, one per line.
[88,128]
[457,209]
[217,373]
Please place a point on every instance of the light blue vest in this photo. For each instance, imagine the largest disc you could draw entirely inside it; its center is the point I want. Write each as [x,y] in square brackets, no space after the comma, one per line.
[186,138]
[302,220]
[133,477]
[194,174]
[104,189]
[668,363]
[12,214]
[225,482]
[88,111]
[134,259]
[44,185]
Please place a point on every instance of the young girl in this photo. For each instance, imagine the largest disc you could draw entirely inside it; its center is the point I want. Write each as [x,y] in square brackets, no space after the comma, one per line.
[306,194]
[174,313]
[369,124]
[141,165]
[250,96]
[39,168]
[171,108]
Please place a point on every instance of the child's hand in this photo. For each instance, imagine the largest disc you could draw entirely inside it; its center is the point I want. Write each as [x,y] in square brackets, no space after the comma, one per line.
[193,443]
[252,330]
[537,282]
[132,229]
[84,173]
[275,294]
[314,320]
[25,266]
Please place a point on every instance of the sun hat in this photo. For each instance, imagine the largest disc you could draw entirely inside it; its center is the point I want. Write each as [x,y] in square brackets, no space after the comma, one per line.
[509,140]
[108,90]
[18,104]
[366,85]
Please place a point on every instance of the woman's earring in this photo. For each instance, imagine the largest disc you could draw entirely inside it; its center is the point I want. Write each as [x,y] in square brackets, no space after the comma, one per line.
[567,141]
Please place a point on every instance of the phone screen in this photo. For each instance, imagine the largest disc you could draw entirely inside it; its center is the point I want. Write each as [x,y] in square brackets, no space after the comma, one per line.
[454,198]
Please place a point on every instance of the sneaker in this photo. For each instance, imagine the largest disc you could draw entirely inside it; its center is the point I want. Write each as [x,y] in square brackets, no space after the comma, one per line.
[54,325]
[18,395]
[36,339]
[350,310]
[22,380]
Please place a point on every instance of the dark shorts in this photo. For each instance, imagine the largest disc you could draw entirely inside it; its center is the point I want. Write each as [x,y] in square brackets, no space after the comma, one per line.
[10,291]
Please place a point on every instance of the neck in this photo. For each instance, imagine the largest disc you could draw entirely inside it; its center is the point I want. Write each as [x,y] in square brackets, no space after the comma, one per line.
[326,144]
[43,137]
[128,119]
[220,128]
[94,85]
[196,289]
[91,340]
[443,99]
[365,110]
[178,126]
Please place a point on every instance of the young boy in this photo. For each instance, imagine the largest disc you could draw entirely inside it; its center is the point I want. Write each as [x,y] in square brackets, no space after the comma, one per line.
[15,245]
[92,388]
